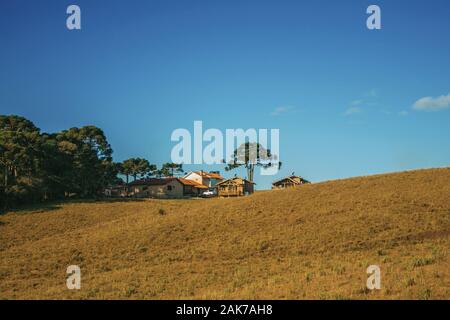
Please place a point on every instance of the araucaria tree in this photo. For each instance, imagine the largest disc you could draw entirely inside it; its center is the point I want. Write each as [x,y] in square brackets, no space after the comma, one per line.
[137,167]
[90,158]
[170,168]
[20,152]
[251,155]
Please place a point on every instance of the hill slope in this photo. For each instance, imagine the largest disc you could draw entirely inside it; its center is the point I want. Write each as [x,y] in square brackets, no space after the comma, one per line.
[315,241]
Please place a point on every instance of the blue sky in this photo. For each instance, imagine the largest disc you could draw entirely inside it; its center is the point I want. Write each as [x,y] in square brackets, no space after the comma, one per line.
[341,95]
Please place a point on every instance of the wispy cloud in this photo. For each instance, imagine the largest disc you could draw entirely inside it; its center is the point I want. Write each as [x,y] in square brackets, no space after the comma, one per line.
[281,110]
[353,110]
[432,104]
[403,113]
[357,102]
[372,93]
[366,99]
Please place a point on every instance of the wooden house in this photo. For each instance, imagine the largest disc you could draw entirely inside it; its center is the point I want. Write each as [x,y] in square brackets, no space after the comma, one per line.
[289,182]
[235,187]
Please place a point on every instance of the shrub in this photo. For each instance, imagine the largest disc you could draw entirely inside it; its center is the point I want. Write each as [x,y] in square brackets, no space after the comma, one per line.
[420,262]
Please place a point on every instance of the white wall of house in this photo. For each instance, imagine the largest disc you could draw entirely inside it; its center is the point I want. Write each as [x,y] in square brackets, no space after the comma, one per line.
[202,180]
[194,177]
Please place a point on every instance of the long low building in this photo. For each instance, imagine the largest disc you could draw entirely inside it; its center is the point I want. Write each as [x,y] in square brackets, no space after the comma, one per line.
[171,188]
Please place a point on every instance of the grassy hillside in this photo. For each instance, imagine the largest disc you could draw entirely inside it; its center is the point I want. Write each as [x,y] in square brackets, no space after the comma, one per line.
[315,241]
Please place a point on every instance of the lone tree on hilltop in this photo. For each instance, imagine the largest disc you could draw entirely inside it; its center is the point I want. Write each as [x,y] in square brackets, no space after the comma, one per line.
[251,155]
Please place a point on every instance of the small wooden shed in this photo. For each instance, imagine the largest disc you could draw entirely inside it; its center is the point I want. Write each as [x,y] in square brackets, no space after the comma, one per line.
[235,187]
[289,182]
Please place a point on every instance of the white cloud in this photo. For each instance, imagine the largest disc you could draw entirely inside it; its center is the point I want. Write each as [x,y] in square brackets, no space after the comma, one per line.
[366,100]
[280,110]
[352,110]
[357,102]
[432,104]
[372,93]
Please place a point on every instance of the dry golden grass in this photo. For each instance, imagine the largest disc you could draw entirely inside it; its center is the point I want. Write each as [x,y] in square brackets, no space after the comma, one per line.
[313,242]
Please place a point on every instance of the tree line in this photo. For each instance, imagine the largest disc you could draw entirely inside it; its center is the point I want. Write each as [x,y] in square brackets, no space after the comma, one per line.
[36,166]
[141,168]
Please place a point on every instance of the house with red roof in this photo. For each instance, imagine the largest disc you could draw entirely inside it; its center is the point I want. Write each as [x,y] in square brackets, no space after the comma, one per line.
[208,179]
[165,188]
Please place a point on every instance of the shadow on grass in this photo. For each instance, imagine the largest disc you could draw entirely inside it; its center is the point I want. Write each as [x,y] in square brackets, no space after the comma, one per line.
[54,205]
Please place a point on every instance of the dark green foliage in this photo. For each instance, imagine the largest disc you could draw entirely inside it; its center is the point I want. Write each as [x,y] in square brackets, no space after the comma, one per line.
[170,168]
[37,166]
[136,167]
[251,155]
